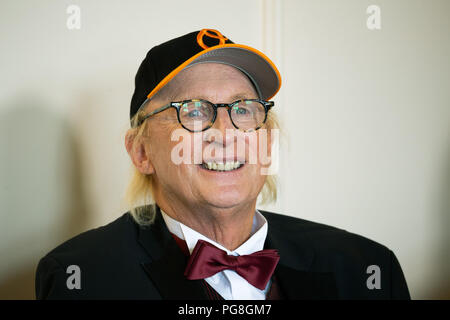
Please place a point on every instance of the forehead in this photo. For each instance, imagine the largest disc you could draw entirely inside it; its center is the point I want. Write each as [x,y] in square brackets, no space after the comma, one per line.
[211,79]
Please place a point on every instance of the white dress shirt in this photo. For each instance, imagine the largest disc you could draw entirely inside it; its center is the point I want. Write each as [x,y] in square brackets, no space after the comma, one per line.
[229,284]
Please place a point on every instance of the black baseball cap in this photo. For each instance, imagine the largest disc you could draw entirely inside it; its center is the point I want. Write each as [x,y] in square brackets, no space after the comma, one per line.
[163,62]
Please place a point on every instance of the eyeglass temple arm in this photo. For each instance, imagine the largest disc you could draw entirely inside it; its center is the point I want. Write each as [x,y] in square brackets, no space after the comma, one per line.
[154,112]
[269,104]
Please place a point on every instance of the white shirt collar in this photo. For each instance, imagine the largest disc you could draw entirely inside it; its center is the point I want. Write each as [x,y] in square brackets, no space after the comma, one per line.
[228,283]
[253,244]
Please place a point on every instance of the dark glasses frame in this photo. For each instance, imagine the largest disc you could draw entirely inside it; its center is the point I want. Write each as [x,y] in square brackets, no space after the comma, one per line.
[178,104]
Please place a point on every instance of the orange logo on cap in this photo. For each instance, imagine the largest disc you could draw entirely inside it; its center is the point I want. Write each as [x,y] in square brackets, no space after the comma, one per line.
[207,32]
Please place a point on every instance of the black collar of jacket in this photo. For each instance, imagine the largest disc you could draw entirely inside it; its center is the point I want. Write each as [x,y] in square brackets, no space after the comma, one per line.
[166,268]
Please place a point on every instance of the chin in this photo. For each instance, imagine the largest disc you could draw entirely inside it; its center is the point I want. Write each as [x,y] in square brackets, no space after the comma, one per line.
[226,199]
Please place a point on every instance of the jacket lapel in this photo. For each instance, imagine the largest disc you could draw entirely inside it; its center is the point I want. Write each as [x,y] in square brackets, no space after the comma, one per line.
[296,280]
[166,269]
[305,285]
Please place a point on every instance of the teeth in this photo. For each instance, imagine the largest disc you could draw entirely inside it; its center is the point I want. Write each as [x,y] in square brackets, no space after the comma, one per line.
[220,166]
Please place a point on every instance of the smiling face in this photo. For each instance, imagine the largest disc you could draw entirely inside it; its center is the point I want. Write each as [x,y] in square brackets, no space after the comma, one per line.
[207,183]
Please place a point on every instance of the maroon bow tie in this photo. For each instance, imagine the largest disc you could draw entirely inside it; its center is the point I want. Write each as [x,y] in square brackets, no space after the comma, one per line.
[207,260]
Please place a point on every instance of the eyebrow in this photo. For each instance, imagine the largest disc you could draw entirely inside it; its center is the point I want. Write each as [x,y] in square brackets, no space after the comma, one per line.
[235,97]
[242,96]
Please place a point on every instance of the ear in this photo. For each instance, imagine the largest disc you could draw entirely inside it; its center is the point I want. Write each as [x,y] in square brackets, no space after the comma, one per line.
[139,153]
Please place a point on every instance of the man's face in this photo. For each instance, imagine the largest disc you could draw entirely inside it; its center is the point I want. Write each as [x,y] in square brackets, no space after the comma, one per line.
[191,183]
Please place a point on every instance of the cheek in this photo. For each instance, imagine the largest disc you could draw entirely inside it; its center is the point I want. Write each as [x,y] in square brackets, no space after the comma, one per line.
[258,148]
[260,144]
[162,142]
[196,147]
[264,147]
[173,155]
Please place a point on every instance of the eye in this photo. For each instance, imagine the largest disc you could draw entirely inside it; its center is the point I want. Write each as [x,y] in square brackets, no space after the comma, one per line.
[240,110]
[195,110]
[194,114]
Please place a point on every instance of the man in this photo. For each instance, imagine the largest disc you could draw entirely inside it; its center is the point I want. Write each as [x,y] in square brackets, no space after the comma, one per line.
[197,99]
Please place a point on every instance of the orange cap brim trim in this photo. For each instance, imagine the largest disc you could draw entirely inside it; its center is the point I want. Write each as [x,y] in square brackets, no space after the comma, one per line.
[177,70]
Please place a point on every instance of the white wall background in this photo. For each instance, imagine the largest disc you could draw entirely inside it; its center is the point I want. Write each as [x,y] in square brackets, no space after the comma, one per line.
[367,113]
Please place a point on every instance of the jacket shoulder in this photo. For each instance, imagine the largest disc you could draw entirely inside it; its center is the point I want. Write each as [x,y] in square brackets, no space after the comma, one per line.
[354,260]
[106,260]
[114,234]
[319,235]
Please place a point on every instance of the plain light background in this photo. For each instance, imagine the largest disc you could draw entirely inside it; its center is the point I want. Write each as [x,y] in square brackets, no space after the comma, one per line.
[367,114]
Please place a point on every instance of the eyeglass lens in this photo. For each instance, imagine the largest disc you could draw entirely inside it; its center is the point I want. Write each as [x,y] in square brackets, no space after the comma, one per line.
[246,115]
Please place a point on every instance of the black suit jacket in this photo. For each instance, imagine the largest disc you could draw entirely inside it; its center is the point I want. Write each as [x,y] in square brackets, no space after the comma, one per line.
[123,260]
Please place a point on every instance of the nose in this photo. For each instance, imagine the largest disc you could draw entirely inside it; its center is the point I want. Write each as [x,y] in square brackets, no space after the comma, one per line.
[223,123]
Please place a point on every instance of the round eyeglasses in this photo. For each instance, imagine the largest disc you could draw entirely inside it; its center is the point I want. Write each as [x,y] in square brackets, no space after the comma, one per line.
[199,115]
